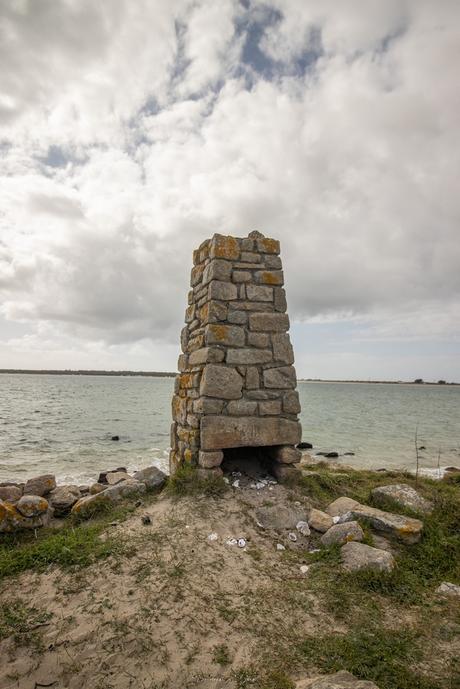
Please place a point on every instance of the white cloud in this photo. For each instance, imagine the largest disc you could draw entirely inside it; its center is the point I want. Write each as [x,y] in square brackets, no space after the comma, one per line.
[160,135]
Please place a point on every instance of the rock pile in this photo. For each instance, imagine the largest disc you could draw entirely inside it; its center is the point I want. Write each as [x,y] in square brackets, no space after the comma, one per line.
[33,504]
[236,382]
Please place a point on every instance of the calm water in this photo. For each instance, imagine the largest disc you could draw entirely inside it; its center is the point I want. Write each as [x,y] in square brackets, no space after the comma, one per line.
[63,424]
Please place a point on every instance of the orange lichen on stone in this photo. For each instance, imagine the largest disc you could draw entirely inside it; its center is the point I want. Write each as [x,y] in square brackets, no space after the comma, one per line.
[196,275]
[225,247]
[270,278]
[188,456]
[268,246]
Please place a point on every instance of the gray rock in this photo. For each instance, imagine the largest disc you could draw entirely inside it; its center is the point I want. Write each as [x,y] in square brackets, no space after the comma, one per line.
[357,556]
[286,454]
[291,403]
[448,589]
[126,489]
[403,495]
[152,477]
[40,485]
[320,521]
[221,382]
[280,377]
[114,477]
[259,293]
[342,533]
[219,432]
[241,408]
[269,277]
[96,488]
[341,506]
[249,356]
[286,473]
[269,322]
[63,498]
[271,408]
[10,493]
[217,269]
[32,505]
[11,519]
[259,340]
[339,680]
[282,348]
[208,460]
[90,504]
[405,529]
[206,355]
[279,517]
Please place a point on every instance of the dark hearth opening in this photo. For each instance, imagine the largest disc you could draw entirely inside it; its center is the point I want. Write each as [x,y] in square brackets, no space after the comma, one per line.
[252,462]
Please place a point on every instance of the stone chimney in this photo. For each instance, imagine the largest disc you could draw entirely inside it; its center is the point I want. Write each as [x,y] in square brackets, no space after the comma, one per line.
[237,384]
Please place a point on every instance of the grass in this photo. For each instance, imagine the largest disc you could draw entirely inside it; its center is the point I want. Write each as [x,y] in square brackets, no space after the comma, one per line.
[76,544]
[383,656]
[185,482]
[21,624]
[221,655]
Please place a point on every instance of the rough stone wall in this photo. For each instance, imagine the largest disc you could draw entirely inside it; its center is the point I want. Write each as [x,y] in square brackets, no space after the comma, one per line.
[236,382]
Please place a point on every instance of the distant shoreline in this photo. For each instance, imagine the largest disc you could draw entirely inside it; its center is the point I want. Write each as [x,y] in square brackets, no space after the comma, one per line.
[171,374]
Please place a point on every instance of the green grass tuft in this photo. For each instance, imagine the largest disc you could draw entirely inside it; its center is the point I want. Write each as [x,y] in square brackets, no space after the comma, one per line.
[21,624]
[185,482]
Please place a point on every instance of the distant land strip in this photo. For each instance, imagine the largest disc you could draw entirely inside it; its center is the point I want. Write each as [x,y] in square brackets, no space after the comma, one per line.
[171,374]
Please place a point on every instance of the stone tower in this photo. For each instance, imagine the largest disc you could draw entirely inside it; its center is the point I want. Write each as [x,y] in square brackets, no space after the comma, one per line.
[236,382]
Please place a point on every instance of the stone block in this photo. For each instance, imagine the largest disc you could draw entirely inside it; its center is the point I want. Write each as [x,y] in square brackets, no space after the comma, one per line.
[217,269]
[247,244]
[252,378]
[259,340]
[280,299]
[225,291]
[224,247]
[282,377]
[219,432]
[195,342]
[282,348]
[286,454]
[213,312]
[182,362]
[208,405]
[196,275]
[208,460]
[241,276]
[273,322]
[222,382]
[269,277]
[268,246]
[229,335]
[262,395]
[270,408]
[40,485]
[190,313]
[206,355]
[241,408]
[238,317]
[179,408]
[250,257]
[272,262]
[291,403]
[239,357]
[259,293]
[252,306]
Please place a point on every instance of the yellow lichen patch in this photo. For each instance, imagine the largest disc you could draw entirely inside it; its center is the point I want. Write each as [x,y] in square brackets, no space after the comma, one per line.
[196,274]
[225,247]
[7,510]
[269,246]
[272,278]
[188,455]
[203,313]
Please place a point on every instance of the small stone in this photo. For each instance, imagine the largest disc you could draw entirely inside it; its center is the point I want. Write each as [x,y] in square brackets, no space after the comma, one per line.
[152,477]
[342,533]
[357,556]
[103,475]
[32,505]
[303,528]
[213,536]
[241,543]
[10,493]
[279,517]
[63,498]
[115,477]
[280,546]
[319,521]
[292,536]
[341,506]
[115,437]
[304,569]
[41,485]
[448,589]
[146,519]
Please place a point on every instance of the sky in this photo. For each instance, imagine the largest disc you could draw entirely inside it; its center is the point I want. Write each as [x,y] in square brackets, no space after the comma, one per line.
[132,130]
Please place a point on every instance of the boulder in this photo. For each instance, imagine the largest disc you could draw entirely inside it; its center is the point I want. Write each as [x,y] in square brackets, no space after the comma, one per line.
[342,533]
[11,518]
[152,477]
[41,485]
[448,589]
[32,505]
[114,477]
[406,529]
[331,455]
[286,454]
[357,556]
[63,498]
[103,475]
[10,493]
[286,473]
[279,517]
[320,521]
[339,680]
[90,504]
[304,446]
[125,489]
[341,506]
[403,495]
[96,488]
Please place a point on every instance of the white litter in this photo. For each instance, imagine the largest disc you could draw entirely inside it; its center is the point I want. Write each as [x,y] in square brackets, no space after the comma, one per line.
[315,550]
[304,568]
[241,543]
[236,483]
[226,479]
[280,546]
[292,537]
[303,528]
[336,519]
[231,541]
[213,536]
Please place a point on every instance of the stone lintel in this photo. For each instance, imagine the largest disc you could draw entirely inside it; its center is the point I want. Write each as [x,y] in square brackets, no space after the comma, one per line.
[220,432]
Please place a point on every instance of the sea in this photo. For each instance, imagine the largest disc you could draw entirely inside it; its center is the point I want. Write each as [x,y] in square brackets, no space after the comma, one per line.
[64,424]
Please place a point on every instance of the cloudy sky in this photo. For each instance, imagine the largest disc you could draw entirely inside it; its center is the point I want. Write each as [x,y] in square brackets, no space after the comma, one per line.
[131,130]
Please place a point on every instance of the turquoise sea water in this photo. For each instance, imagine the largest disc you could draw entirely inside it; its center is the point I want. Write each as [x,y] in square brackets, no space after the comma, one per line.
[63,424]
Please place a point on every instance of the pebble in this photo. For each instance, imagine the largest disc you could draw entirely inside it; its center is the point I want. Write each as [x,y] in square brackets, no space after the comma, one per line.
[280,546]
[304,568]
[303,528]
[292,537]
[241,543]
[213,536]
